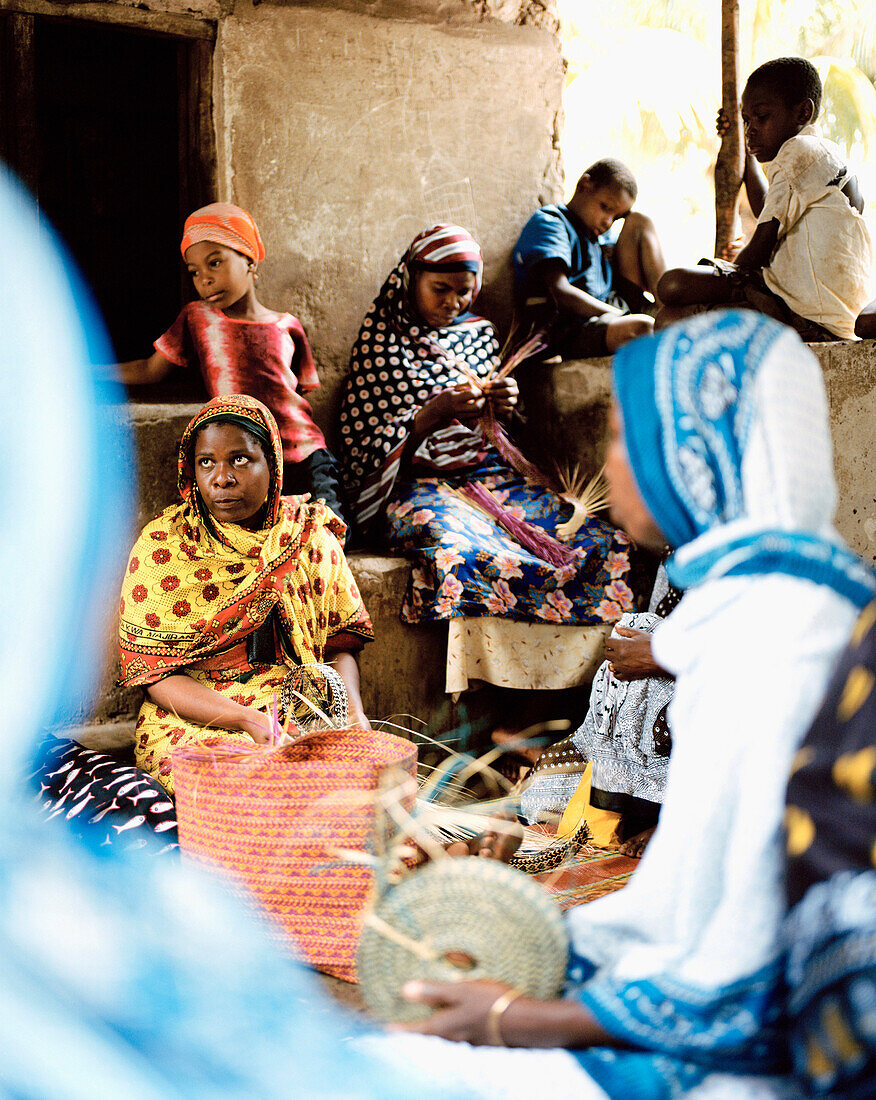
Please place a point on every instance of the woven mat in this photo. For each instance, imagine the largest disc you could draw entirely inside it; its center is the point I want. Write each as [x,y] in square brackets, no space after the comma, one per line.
[590,874]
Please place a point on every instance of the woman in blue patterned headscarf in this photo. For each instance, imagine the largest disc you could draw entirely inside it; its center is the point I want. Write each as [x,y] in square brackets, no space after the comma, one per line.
[721,447]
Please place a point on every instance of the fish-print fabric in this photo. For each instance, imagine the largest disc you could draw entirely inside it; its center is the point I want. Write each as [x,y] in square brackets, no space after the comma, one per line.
[103,792]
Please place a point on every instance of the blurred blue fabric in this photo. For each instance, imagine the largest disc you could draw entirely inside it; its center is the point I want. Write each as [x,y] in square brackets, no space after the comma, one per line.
[119,977]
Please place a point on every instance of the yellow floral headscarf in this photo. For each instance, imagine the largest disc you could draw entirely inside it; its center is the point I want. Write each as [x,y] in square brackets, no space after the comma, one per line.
[196,586]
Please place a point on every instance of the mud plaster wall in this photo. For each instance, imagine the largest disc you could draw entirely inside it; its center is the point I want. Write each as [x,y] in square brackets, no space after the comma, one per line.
[346,134]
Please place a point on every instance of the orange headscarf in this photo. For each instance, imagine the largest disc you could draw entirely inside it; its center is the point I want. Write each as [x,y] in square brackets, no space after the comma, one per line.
[224,223]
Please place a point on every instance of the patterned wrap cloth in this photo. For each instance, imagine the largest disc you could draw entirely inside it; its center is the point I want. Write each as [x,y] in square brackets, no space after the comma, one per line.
[465,564]
[197,588]
[830,934]
[625,738]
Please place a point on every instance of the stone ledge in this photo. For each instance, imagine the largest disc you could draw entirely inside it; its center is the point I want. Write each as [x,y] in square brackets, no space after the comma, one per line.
[567,406]
[155,431]
[403,669]
[103,736]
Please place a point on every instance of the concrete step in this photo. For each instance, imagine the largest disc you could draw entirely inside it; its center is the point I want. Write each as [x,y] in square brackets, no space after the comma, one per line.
[567,408]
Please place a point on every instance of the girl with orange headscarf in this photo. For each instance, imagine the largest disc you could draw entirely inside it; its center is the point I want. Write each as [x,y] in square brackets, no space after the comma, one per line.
[241,346]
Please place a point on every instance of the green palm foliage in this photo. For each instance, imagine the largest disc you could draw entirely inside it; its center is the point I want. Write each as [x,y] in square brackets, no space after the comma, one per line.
[848,110]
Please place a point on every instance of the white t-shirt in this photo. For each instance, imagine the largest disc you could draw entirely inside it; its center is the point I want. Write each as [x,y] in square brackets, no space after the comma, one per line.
[822,263]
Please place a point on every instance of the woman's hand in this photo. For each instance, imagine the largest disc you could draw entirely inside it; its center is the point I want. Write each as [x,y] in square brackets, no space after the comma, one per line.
[256,724]
[461,1009]
[629,656]
[502,395]
[464,402]
[502,836]
[200,704]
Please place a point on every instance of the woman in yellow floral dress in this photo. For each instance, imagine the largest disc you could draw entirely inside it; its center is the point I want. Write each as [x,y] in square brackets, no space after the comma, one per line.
[231,589]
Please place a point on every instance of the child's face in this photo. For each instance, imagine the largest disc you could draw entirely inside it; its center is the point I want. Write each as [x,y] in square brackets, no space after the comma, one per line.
[768,122]
[440,296]
[600,207]
[221,276]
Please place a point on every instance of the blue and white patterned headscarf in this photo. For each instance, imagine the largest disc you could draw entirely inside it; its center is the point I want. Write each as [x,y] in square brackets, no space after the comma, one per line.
[726,428]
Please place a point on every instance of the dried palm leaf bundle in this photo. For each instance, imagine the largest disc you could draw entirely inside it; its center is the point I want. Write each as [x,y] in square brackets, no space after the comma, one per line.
[532,538]
[587,497]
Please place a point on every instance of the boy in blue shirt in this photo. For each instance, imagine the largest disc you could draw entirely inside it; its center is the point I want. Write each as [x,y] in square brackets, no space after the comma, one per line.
[572,280]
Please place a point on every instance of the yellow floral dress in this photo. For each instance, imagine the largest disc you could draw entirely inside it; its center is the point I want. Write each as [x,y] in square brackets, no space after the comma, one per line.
[197,591]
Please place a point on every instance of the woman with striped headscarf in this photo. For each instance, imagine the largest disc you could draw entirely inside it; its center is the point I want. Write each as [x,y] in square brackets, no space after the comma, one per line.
[411,434]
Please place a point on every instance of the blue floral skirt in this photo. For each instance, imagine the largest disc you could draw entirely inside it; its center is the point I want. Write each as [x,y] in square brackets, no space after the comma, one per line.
[465,564]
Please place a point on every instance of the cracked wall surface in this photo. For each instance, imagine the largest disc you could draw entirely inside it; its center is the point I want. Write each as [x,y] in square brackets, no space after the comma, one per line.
[346,134]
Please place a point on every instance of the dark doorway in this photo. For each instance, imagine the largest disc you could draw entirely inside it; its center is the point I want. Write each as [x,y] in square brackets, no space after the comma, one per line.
[106,126]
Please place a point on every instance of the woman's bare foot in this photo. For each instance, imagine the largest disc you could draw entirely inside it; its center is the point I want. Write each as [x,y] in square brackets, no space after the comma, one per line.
[636,845]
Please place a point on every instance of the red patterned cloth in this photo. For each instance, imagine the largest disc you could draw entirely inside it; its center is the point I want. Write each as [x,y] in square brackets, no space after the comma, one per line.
[269,360]
[589,874]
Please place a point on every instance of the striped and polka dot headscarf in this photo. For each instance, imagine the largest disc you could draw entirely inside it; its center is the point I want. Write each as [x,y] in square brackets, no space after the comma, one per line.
[446,248]
[399,362]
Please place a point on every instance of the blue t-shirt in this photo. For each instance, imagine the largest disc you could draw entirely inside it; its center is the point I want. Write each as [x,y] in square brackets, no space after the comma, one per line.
[555,233]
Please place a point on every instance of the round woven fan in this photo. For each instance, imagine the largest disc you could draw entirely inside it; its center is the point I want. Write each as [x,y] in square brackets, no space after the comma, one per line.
[459,920]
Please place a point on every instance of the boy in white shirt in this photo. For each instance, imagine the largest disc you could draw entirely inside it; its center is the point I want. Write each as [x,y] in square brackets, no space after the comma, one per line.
[809,260]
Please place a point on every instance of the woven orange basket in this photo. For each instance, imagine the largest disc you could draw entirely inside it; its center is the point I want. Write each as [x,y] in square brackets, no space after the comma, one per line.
[273,818]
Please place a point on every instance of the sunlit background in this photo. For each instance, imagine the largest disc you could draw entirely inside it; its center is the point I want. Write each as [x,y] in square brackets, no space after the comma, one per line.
[644,84]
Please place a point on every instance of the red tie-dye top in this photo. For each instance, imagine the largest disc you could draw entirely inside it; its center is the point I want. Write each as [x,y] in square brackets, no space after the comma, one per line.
[269,360]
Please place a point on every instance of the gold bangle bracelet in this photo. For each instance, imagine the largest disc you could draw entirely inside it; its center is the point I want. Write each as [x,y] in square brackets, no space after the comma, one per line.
[494,1017]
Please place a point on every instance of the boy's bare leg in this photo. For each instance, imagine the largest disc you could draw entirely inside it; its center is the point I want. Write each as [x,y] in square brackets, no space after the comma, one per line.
[865,326]
[638,254]
[691,286]
[669,314]
[627,328]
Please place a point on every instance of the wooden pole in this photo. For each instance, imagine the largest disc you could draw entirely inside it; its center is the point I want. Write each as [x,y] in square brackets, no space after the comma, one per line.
[730,163]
